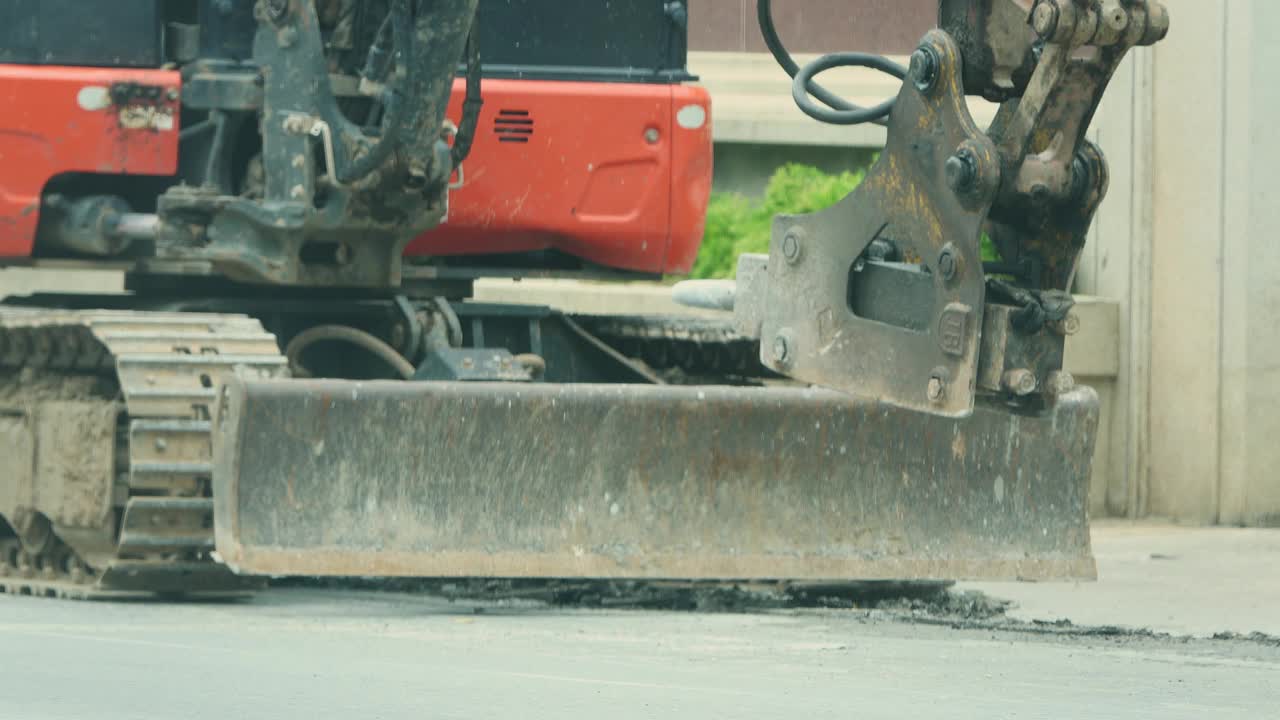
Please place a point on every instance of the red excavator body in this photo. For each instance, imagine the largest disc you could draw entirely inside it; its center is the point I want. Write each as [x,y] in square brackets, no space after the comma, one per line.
[615,174]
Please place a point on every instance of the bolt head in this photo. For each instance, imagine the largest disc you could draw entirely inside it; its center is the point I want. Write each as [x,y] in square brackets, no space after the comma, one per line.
[1157,24]
[948,263]
[1117,19]
[652,136]
[791,247]
[1020,381]
[1040,193]
[781,352]
[1044,19]
[1069,325]
[1060,382]
[937,389]
[962,171]
[924,68]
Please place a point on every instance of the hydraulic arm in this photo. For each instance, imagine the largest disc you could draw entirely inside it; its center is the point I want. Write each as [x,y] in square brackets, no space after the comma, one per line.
[887,294]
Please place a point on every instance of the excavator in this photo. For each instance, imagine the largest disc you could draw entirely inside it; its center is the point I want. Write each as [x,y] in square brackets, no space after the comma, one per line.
[298,380]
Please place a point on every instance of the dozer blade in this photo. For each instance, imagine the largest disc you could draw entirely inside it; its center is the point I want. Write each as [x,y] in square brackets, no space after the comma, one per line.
[434,479]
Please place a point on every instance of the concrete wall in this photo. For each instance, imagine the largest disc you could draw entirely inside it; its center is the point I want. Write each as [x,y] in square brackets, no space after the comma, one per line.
[1215,294]
[879,26]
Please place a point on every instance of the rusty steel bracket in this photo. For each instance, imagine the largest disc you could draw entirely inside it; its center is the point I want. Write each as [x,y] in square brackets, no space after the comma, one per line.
[440,479]
[881,295]
[1053,178]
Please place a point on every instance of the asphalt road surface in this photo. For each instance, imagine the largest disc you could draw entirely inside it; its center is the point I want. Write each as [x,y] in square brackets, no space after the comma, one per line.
[319,654]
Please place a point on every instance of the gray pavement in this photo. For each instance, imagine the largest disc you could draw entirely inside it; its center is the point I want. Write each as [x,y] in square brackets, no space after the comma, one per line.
[1178,580]
[319,654]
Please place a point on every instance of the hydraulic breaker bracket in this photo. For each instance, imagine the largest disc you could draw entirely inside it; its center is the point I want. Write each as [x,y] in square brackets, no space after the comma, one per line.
[882,294]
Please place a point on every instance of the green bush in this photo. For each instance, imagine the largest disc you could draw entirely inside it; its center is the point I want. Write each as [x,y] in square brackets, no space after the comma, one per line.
[737,225]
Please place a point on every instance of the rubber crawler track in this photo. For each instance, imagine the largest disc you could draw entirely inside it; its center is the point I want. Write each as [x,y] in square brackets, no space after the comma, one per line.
[162,371]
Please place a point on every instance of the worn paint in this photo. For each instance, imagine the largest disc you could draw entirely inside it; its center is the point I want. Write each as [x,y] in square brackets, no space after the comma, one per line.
[668,481]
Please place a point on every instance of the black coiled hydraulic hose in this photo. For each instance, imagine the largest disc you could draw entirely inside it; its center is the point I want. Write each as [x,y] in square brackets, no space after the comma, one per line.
[472,102]
[803,88]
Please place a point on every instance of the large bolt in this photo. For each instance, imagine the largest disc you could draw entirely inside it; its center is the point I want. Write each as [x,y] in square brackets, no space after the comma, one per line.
[1080,177]
[781,349]
[792,247]
[937,389]
[962,171]
[924,68]
[1019,381]
[1059,382]
[652,136]
[1069,325]
[948,262]
[1157,24]
[1040,194]
[1115,16]
[1044,19]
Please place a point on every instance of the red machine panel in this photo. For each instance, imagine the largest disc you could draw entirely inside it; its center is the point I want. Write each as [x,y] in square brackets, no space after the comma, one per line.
[618,174]
[72,119]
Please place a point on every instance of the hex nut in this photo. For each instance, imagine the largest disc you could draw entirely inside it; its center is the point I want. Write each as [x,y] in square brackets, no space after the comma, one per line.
[962,171]
[1060,382]
[1019,381]
[924,68]
[781,349]
[948,262]
[793,245]
[1044,19]
[937,390]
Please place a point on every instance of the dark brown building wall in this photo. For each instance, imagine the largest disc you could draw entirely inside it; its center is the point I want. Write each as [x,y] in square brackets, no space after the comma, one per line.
[809,26]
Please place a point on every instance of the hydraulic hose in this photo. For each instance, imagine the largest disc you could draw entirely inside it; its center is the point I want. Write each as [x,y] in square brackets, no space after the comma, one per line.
[471,103]
[394,118]
[344,333]
[838,111]
[855,116]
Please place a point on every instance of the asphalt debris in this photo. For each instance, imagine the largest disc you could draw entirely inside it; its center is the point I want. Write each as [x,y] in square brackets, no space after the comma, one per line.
[683,596]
